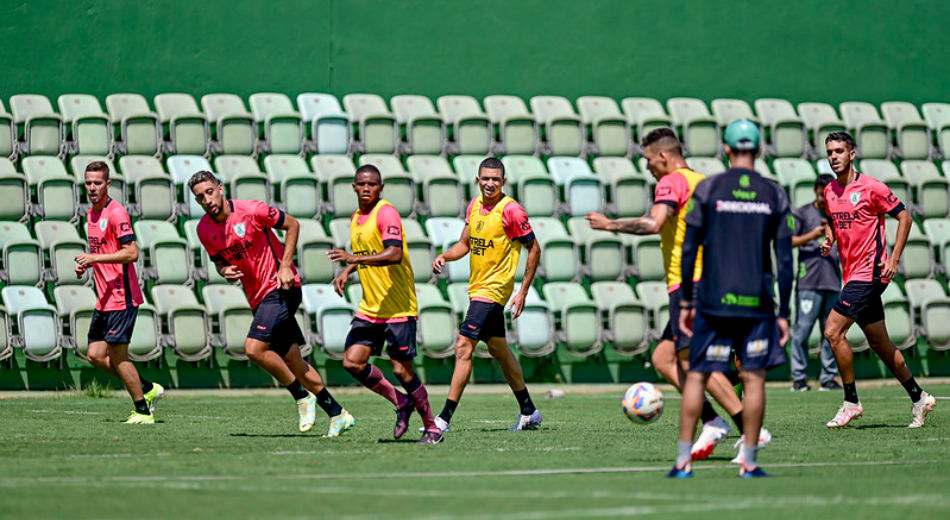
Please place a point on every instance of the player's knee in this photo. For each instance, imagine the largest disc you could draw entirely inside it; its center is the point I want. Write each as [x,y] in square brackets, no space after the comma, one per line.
[833,333]
[463,351]
[354,366]
[98,359]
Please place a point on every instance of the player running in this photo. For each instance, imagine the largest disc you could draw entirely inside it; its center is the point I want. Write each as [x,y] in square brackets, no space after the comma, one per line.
[112,255]
[239,238]
[497,228]
[675,185]
[388,310]
[856,206]
[736,217]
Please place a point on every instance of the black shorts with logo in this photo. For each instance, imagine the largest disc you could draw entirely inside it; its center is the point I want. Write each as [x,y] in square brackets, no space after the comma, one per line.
[484,320]
[755,342]
[861,301]
[113,327]
[672,330]
[399,337]
[275,321]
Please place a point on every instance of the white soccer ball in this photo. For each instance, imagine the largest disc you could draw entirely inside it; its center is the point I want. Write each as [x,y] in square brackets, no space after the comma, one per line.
[643,403]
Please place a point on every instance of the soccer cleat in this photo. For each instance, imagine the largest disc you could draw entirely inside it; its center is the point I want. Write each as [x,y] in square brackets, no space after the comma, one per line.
[341,423]
[527,422]
[921,408]
[440,422]
[686,471]
[402,419]
[712,434]
[848,412]
[829,386]
[765,437]
[140,418]
[154,396]
[800,386]
[433,437]
[756,472]
[307,410]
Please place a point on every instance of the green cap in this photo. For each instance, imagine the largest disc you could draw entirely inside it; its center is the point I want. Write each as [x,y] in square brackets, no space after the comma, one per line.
[742,134]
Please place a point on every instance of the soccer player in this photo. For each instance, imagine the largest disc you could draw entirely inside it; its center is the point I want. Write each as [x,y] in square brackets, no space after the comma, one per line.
[737,217]
[388,310]
[857,205]
[497,229]
[240,240]
[112,255]
[675,185]
[819,281]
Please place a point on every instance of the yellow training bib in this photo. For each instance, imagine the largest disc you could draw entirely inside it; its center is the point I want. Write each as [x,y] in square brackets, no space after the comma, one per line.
[389,291]
[493,257]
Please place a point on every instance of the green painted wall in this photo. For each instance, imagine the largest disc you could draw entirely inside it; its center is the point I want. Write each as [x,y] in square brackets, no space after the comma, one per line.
[873,50]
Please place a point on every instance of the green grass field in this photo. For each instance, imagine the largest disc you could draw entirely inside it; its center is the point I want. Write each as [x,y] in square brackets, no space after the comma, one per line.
[228,455]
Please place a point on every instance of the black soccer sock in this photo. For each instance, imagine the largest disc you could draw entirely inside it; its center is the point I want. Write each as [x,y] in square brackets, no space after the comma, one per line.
[297,390]
[737,418]
[524,401]
[448,410]
[363,375]
[709,413]
[413,385]
[913,389]
[328,403]
[146,384]
[851,393]
[142,407]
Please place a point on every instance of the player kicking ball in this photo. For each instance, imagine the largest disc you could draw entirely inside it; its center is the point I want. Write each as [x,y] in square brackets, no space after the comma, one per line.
[240,240]
[388,311]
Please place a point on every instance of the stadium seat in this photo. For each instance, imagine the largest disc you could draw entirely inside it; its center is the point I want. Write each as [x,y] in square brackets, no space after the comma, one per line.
[532,332]
[931,305]
[75,305]
[284,130]
[517,128]
[603,253]
[330,315]
[164,256]
[187,126]
[228,306]
[445,233]
[38,328]
[6,346]
[8,134]
[937,116]
[153,188]
[297,188]
[917,259]
[312,246]
[530,183]
[798,177]
[471,129]
[441,190]
[139,127]
[787,132]
[608,127]
[560,260]
[425,128]
[931,188]
[910,131]
[707,166]
[42,127]
[242,177]
[763,169]
[885,171]
[466,166]
[577,315]
[185,321]
[55,189]
[118,190]
[438,329]
[330,130]
[898,317]
[655,298]
[565,135]
[15,194]
[378,129]
[89,129]
[821,119]
[22,256]
[697,126]
[340,232]
[627,325]
[328,165]
[181,168]
[61,243]
[583,191]
[645,115]
[235,130]
[400,189]
[645,256]
[203,267]
[869,130]
[628,190]
[421,252]
[938,233]
[727,110]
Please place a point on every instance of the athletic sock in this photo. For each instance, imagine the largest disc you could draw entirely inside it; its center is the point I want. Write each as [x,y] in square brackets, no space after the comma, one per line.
[372,377]
[851,392]
[328,403]
[913,389]
[420,397]
[524,401]
[411,386]
[142,407]
[709,413]
[685,454]
[448,410]
[748,456]
[297,390]
[146,384]
[737,418]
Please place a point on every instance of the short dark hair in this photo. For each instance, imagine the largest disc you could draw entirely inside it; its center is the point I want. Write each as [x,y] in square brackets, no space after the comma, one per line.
[202,176]
[98,166]
[663,138]
[823,180]
[369,168]
[490,163]
[844,137]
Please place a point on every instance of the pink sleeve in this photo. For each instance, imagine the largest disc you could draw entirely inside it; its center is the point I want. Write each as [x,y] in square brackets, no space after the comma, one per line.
[882,199]
[205,239]
[515,221]
[266,216]
[468,210]
[389,223]
[122,226]
[673,190]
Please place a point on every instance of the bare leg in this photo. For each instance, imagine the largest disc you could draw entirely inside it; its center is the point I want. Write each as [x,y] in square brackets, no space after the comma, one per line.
[119,359]
[259,352]
[305,374]
[665,362]
[692,404]
[98,355]
[753,382]
[881,344]
[508,363]
[464,348]
[836,328]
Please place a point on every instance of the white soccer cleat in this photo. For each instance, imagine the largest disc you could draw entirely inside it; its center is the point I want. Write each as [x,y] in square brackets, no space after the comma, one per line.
[921,409]
[527,422]
[307,410]
[848,412]
[340,424]
[712,434]
[440,422]
[765,437]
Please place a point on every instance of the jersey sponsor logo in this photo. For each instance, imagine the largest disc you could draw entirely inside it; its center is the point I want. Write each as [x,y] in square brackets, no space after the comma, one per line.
[743,194]
[272,213]
[740,300]
[802,271]
[756,348]
[480,245]
[855,198]
[663,191]
[735,206]
[790,221]
[526,226]
[744,181]
[125,227]
[240,229]
[103,223]
[393,230]
[236,252]
[891,198]
[718,353]
[844,219]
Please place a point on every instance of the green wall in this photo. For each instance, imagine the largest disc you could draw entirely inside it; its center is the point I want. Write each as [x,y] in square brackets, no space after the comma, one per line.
[873,50]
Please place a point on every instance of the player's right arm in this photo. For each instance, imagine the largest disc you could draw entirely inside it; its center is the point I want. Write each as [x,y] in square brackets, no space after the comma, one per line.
[339,283]
[457,251]
[228,271]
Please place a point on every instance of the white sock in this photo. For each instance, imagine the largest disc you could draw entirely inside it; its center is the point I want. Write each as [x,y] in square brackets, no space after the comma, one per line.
[748,456]
[684,455]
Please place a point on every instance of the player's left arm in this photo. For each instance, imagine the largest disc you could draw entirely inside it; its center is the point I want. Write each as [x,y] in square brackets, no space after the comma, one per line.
[884,201]
[285,273]
[531,267]
[127,253]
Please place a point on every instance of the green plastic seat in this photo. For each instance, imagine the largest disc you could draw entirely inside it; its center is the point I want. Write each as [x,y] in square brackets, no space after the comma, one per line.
[699,130]
[313,266]
[798,177]
[22,256]
[533,331]
[296,187]
[707,166]
[153,189]
[909,129]
[937,116]
[560,259]
[61,243]
[378,128]
[185,321]
[577,315]
[608,127]
[565,135]
[188,131]
[140,128]
[931,304]
[167,257]
[330,315]
[438,329]
[55,189]
[517,128]
[645,256]
[8,134]
[628,192]
[787,132]
[938,233]
[441,190]
[820,119]
[917,259]
[424,127]
[89,129]
[898,317]
[603,253]
[327,165]
[445,232]
[583,191]
[931,188]
[655,298]
[727,110]
[421,252]
[75,305]
[627,319]
[330,130]
[284,130]
[234,128]
[471,130]
[35,323]
[15,194]
[645,115]
[886,172]
[228,306]
[43,132]
[869,130]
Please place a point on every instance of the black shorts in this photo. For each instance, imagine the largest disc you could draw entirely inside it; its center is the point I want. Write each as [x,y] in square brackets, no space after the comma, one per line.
[275,321]
[861,301]
[399,337]
[484,320]
[113,327]
[672,330]
[754,340]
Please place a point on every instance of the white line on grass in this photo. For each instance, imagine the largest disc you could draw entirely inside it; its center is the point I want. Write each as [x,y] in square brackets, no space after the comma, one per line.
[66,411]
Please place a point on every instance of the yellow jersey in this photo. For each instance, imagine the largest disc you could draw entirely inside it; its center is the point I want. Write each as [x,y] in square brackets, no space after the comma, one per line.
[494,248]
[675,190]
[389,291]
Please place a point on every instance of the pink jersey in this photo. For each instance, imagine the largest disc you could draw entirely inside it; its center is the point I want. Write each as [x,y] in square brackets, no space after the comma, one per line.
[247,242]
[117,285]
[389,224]
[514,220]
[857,212]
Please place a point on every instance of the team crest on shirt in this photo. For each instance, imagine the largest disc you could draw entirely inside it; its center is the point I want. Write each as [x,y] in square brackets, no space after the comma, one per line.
[479,226]
[103,224]
[855,197]
[807,306]
[240,229]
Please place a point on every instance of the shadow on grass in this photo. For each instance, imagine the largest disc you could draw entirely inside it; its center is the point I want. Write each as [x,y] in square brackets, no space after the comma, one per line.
[396,441]
[270,435]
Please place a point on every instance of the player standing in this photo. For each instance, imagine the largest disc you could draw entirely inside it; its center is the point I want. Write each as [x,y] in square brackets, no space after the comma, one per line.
[497,228]
[112,255]
[239,237]
[388,311]
[857,205]
[734,308]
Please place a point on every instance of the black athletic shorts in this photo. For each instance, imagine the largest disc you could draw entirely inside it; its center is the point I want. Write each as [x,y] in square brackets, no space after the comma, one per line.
[399,337]
[672,330]
[484,320]
[274,320]
[861,301]
[113,327]
[754,340]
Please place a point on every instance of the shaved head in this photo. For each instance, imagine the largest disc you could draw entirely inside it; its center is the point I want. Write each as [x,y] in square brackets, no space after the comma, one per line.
[663,139]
